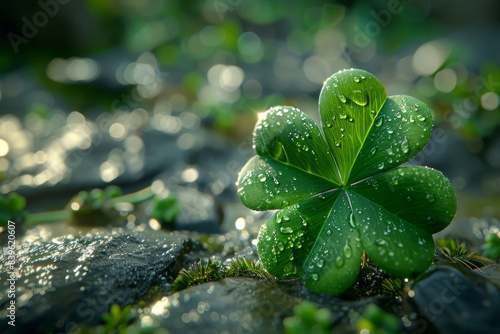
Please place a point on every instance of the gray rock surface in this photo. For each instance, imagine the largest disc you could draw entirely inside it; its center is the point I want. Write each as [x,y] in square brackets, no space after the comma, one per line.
[74,280]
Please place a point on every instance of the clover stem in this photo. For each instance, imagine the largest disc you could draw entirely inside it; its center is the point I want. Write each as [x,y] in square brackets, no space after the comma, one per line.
[46,217]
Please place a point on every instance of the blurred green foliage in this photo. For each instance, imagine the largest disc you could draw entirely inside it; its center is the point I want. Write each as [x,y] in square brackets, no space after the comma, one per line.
[12,208]
[377,321]
[308,319]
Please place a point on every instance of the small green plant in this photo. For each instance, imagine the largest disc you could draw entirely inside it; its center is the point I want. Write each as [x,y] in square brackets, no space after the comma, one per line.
[393,287]
[198,273]
[243,267]
[95,207]
[376,321]
[117,320]
[308,319]
[339,187]
[165,209]
[206,271]
[457,252]
[491,247]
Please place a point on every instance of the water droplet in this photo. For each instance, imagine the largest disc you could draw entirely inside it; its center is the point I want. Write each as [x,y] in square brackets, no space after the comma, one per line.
[286,230]
[328,232]
[347,251]
[430,197]
[315,276]
[339,261]
[360,98]
[381,165]
[408,198]
[320,263]
[329,125]
[342,98]
[343,116]
[421,118]
[378,121]
[285,203]
[373,150]
[262,177]
[394,180]
[381,246]
[390,131]
[356,79]
[281,247]
[278,218]
[337,144]
[404,145]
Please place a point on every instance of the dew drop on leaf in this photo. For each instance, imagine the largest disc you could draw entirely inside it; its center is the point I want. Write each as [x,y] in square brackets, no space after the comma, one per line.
[378,121]
[430,197]
[315,276]
[373,150]
[347,251]
[328,232]
[421,118]
[381,165]
[356,79]
[281,247]
[262,177]
[286,230]
[343,116]
[381,246]
[404,145]
[320,263]
[342,98]
[360,98]
[339,261]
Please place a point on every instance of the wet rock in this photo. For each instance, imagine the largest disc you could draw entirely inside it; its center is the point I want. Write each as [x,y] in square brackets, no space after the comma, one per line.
[74,280]
[454,302]
[232,305]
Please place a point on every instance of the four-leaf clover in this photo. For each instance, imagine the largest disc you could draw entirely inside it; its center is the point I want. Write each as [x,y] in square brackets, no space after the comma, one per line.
[339,187]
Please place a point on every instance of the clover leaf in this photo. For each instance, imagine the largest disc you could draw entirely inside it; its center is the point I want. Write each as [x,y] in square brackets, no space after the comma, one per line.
[339,187]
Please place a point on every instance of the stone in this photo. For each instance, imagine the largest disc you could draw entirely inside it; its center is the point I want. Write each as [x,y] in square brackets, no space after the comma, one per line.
[74,280]
[231,305]
[455,302]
